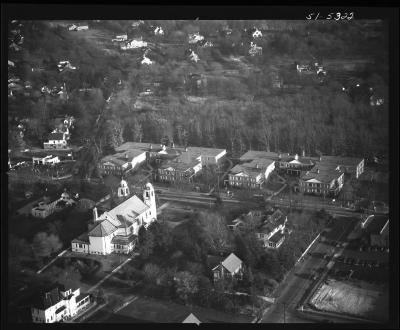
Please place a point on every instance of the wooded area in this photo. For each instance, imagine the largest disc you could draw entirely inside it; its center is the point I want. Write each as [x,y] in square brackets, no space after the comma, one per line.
[239,112]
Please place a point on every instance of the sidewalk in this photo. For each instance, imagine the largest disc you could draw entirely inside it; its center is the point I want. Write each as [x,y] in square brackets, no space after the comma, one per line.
[58,256]
[88,312]
[340,316]
[111,274]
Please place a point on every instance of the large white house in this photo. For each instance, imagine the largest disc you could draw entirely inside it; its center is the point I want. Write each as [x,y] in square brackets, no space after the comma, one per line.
[47,160]
[56,141]
[116,230]
[59,304]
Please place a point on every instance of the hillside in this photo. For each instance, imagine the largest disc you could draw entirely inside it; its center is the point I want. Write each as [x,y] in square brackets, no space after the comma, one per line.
[212,92]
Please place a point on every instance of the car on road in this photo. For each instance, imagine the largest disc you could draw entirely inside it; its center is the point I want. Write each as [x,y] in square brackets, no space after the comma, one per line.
[370,263]
[23,288]
[340,259]
[349,261]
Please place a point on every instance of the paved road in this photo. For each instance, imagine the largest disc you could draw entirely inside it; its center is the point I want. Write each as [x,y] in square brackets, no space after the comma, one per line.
[52,261]
[292,290]
[171,194]
[312,205]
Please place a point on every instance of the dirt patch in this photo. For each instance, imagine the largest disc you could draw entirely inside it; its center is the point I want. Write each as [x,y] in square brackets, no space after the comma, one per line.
[358,299]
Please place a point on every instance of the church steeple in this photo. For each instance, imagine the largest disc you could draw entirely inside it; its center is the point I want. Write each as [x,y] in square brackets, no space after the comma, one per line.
[149,199]
[123,189]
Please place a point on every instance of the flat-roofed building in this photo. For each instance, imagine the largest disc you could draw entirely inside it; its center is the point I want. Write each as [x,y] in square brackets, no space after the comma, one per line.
[349,165]
[207,156]
[59,304]
[127,156]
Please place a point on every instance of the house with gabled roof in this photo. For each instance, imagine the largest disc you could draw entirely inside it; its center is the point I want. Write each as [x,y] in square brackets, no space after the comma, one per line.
[253,170]
[323,179]
[191,318]
[271,231]
[56,141]
[229,267]
[116,230]
[294,165]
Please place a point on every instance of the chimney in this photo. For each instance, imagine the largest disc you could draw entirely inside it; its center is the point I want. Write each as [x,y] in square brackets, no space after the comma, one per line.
[186,149]
[318,170]
[257,166]
[173,145]
[164,147]
[320,158]
[304,153]
[151,147]
[126,156]
[95,215]
[296,157]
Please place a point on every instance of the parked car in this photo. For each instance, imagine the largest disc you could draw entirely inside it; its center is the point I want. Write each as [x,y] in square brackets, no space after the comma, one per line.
[340,259]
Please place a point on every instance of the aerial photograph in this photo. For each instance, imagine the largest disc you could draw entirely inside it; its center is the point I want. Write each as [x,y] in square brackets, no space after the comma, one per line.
[198,171]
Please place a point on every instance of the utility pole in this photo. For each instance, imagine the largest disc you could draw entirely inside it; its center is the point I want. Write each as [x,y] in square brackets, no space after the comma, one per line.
[284,312]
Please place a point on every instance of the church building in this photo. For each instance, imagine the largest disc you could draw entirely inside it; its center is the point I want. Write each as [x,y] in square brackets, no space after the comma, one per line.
[116,230]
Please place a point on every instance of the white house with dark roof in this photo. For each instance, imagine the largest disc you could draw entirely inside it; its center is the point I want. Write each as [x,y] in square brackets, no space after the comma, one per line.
[116,230]
[271,230]
[59,304]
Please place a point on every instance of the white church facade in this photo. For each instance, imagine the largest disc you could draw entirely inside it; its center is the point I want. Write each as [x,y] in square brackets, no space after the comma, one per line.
[116,230]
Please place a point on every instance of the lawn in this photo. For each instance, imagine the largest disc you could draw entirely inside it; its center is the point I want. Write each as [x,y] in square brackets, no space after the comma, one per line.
[359,299]
[159,311]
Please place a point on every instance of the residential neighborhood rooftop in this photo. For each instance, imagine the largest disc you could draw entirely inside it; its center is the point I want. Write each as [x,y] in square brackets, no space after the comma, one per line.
[231,263]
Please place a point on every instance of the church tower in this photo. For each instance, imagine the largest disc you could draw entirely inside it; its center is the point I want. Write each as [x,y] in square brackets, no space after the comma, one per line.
[149,198]
[123,189]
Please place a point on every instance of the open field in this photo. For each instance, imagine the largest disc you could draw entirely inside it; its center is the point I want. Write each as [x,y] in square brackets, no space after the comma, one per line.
[353,298]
